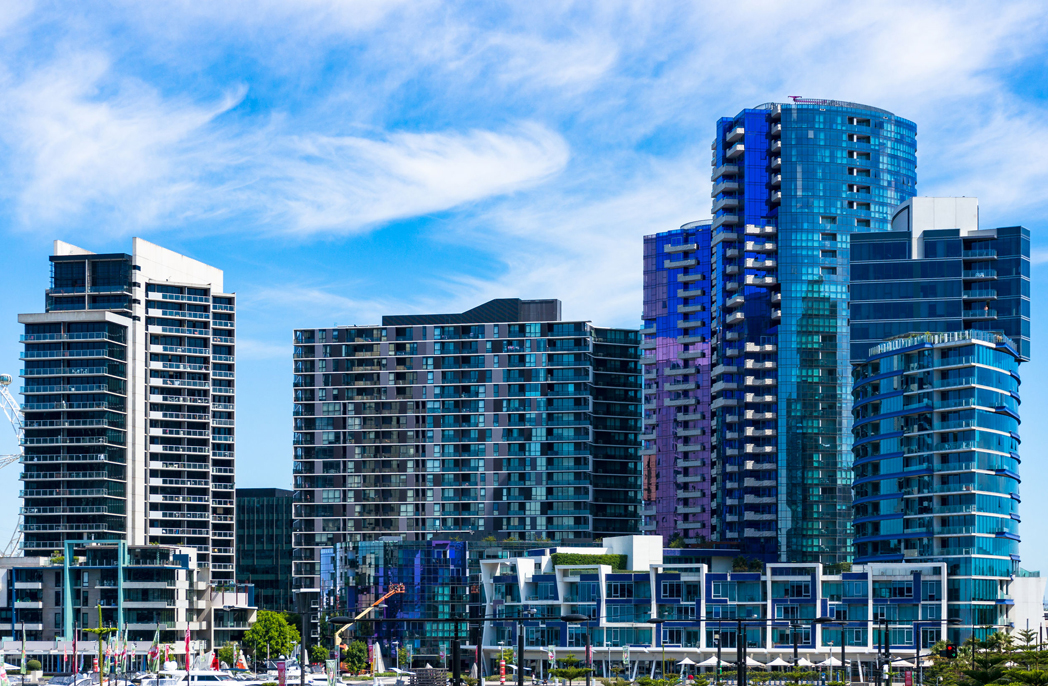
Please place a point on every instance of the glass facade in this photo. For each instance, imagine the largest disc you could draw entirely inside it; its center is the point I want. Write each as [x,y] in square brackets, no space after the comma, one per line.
[501,421]
[263,545]
[676,361]
[792,183]
[937,465]
[938,280]
[701,603]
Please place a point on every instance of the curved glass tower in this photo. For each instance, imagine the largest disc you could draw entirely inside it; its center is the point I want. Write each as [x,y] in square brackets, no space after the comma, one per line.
[936,465]
[791,183]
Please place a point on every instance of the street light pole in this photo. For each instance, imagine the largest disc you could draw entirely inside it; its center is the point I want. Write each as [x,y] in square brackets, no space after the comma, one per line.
[520,644]
[576,619]
[662,641]
[719,639]
[845,675]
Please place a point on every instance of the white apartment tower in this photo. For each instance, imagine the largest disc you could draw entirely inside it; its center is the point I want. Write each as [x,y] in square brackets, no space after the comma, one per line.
[129,405]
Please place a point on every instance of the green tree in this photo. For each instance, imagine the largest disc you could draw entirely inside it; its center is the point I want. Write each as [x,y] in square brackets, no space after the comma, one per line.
[356,657]
[569,669]
[317,654]
[228,654]
[405,658]
[271,631]
[1033,677]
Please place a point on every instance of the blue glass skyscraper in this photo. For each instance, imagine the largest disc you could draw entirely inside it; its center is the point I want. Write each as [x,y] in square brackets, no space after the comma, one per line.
[792,183]
[676,359]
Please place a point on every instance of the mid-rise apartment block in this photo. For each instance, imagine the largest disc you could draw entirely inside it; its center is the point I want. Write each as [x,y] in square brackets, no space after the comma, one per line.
[676,361]
[129,405]
[500,421]
[937,466]
[937,271]
[792,183]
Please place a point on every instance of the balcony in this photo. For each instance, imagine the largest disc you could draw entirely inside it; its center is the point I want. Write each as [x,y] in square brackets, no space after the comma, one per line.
[979,254]
[680,264]
[722,386]
[979,314]
[776,163]
[686,247]
[775,131]
[776,197]
[979,274]
[725,220]
[725,170]
[761,281]
[776,147]
[735,301]
[722,369]
[736,151]
[725,187]
[984,294]
[729,202]
[766,247]
[765,265]
[776,180]
[753,230]
[735,318]
[736,134]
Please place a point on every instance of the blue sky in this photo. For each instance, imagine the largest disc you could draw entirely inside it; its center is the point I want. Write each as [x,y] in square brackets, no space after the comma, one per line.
[341,160]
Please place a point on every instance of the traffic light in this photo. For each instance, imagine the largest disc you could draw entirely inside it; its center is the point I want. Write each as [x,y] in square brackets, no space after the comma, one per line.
[949,652]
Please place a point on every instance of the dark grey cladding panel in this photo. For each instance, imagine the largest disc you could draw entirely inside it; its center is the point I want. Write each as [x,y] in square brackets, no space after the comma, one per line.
[491,312]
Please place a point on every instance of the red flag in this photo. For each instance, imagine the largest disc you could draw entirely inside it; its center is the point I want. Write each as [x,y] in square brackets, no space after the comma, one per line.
[214,661]
[187,648]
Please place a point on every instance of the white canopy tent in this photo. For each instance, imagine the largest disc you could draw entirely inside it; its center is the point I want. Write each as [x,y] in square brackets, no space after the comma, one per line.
[712,662]
[750,662]
[689,661]
[831,661]
[778,662]
[805,662]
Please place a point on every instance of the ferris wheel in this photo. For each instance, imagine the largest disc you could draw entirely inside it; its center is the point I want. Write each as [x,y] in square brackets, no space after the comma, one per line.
[13,412]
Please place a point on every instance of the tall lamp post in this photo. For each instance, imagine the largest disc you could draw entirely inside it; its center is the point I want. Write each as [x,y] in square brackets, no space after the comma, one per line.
[520,643]
[658,622]
[578,619]
[793,637]
[845,675]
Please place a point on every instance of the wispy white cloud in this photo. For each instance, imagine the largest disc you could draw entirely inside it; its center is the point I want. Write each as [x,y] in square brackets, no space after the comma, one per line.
[342,184]
[85,142]
[78,147]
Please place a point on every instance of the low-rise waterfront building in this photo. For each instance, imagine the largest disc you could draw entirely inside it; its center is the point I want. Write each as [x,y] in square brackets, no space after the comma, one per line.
[140,589]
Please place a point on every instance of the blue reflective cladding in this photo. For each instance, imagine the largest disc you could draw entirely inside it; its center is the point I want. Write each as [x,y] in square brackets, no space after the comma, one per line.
[676,364]
[792,183]
[978,281]
[936,465]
